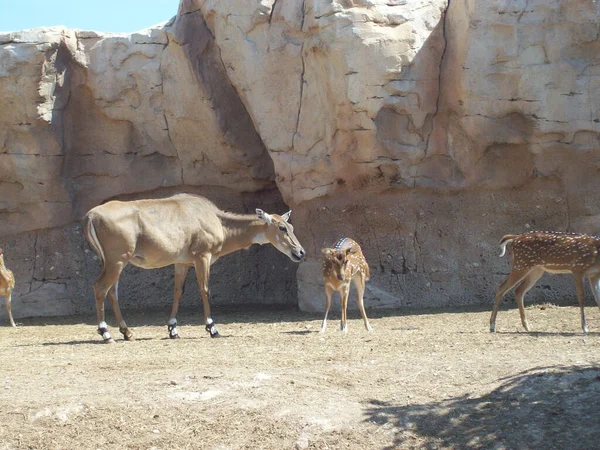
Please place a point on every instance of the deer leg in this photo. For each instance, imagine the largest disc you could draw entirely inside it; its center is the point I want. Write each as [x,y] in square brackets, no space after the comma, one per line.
[7,298]
[359,284]
[595,284]
[524,286]
[202,266]
[328,294]
[113,296]
[344,292]
[579,286]
[181,271]
[108,277]
[513,278]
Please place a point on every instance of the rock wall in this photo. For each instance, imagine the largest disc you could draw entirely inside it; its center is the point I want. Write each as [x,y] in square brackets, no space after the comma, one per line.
[90,117]
[425,130]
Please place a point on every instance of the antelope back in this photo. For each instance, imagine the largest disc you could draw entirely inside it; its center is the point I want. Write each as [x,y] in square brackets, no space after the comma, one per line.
[555,251]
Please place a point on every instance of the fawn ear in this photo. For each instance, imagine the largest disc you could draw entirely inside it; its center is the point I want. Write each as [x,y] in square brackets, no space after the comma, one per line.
[287,215]
[326,251]
[264,216]
[350,251]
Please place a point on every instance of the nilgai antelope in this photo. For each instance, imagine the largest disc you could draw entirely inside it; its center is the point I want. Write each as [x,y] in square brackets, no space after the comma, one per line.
[7,284]
[345,263]
[534,253]
[185,230]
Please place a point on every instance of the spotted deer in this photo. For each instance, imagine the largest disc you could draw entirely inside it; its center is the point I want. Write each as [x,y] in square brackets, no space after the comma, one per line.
[345,263]
[184,230]
[7,284]
[534,253]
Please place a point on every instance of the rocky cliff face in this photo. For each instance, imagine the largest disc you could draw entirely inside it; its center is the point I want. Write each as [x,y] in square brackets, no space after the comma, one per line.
[90,117]
[423,130]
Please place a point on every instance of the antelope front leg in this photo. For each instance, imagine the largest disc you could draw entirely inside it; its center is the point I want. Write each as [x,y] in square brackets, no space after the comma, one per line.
[344,291]
[328,294]
[581,298]
[181,271]
[202,266]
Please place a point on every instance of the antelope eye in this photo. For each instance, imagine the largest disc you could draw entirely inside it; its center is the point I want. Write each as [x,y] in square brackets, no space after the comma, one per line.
[282,228]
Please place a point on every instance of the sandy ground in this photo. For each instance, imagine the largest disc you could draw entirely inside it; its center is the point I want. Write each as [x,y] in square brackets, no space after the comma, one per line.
[422,379]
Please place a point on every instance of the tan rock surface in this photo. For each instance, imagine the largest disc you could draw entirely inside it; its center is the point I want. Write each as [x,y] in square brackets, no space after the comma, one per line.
[423,131]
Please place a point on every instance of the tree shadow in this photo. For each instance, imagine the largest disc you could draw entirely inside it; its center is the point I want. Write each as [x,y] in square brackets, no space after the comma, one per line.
[541,408]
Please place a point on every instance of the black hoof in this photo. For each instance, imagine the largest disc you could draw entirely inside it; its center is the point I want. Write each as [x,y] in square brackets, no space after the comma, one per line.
[172,329]
[212,329]
[127,335]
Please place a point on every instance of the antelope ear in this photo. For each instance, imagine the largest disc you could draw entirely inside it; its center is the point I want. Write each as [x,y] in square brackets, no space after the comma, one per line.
[287,215]
[264,216]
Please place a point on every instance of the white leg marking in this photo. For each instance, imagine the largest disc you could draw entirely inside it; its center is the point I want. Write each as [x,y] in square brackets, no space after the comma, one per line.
[210,324]
[105,335]
[172,326]
[323,326]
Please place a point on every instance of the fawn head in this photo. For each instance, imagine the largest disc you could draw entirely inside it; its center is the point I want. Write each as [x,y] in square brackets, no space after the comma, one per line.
[337,263]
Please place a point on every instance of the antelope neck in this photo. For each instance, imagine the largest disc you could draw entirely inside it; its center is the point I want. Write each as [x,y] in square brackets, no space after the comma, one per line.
[241,232]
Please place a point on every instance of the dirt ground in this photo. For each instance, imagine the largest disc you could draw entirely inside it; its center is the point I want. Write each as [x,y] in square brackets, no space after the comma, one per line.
[422,379]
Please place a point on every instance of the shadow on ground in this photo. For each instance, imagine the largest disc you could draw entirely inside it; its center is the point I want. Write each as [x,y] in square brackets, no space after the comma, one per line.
[547,407]
[249,313]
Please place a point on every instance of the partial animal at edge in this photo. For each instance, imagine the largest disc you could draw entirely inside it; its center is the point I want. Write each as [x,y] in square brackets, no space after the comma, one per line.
[532,254]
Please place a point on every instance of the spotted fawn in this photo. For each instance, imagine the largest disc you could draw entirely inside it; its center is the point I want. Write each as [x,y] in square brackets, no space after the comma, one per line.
[345,263]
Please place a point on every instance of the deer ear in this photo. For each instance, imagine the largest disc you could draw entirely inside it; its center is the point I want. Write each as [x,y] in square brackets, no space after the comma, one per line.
[287,215]
[264,216]
[326,251]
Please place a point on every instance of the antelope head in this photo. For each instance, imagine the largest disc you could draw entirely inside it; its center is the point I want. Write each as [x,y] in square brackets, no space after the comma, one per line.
[280,233]
[338,262]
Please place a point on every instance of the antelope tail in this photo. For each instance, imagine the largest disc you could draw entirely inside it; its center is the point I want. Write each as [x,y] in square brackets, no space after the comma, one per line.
[505,241]
[92,237]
